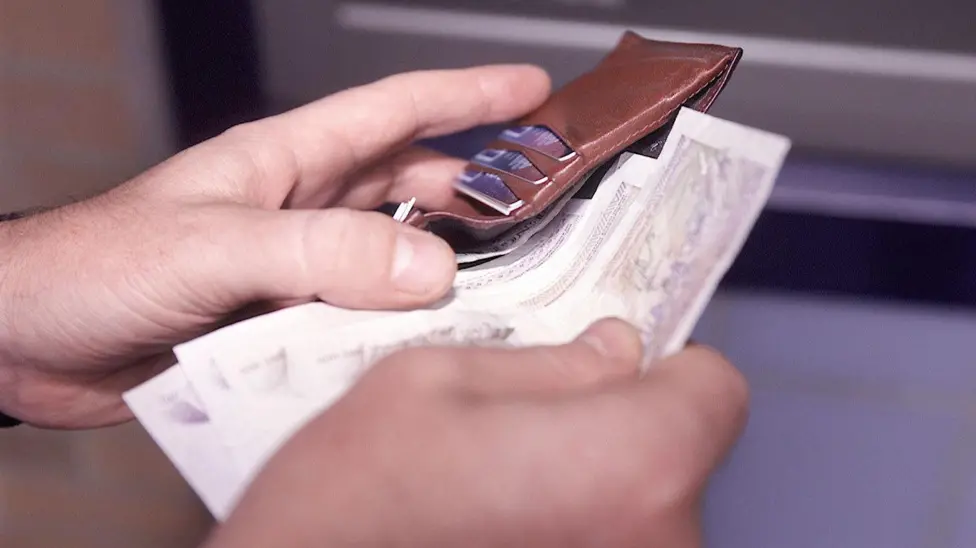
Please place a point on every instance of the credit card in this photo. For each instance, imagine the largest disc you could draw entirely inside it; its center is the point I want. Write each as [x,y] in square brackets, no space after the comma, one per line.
[488,189]
[512,162]
[403,210]
[540,139]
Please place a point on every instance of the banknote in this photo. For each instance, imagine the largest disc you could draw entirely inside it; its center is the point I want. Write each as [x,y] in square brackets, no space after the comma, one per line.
[174,416]
[650,246]
[258,395]
[668,265]
[662,262]
[545,251]
[264,379]
[549,264]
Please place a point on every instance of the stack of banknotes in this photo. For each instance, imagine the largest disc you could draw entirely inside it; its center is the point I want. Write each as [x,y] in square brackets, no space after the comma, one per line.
[650,245]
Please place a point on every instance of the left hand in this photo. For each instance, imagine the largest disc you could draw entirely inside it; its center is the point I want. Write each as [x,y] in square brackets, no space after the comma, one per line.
[94,295]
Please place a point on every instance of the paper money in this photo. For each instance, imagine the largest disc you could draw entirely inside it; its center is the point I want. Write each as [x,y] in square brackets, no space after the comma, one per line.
[168,407]
[661,264]
[259,394]
[650,247]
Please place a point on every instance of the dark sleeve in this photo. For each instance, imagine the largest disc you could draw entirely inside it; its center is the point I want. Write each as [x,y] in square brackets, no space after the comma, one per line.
[18,214]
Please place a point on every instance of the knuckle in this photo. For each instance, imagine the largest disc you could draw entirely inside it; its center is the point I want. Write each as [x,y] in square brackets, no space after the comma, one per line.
[253,157]
[352,244]
[485,105]
[245,134]
[304,251]
[242,131]
[728,380]
[338,241]
[672,485]
[637,471]
[670,475]
[396,97]
[402,80]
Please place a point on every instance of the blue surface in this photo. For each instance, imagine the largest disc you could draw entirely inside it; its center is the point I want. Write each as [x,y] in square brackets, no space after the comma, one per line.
[961,512]
[876,347]
[829,470]
[862,424]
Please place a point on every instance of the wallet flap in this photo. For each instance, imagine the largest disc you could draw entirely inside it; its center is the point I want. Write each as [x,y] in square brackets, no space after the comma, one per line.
[635,91]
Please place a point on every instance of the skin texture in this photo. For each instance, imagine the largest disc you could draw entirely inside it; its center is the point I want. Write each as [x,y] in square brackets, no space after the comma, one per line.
[94,295]
[549,446]
[556,447]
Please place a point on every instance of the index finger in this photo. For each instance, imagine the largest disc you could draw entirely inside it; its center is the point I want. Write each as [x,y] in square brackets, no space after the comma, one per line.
[333,137]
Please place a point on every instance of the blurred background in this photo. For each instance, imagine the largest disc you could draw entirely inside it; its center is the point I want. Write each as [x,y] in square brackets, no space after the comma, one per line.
[851,308]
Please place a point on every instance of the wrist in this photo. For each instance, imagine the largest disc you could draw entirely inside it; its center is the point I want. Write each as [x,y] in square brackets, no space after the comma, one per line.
[7,264]
[7,375]
[8,258]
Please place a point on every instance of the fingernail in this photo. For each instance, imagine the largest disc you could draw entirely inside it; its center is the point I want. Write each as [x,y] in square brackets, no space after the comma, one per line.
[614,339]
[595,341]
[420,264]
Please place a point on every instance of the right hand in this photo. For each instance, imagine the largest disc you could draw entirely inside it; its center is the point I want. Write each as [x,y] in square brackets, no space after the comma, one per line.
[546,447]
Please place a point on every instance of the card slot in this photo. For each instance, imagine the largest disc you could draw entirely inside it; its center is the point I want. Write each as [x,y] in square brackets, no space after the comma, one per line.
[540,138]
[547,165]
[512,162]
[489,189]
[626,102]
[524,190]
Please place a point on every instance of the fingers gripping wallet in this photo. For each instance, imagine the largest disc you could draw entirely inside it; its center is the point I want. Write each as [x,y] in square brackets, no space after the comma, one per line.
[626,103]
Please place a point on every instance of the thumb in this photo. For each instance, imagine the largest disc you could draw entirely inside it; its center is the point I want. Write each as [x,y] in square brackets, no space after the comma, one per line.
[352,259]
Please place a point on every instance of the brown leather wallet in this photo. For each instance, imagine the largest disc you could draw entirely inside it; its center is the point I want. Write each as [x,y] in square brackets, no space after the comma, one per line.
[626,103]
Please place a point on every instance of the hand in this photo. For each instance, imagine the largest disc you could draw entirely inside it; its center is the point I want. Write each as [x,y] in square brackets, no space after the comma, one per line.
[545,447]
[94,295]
